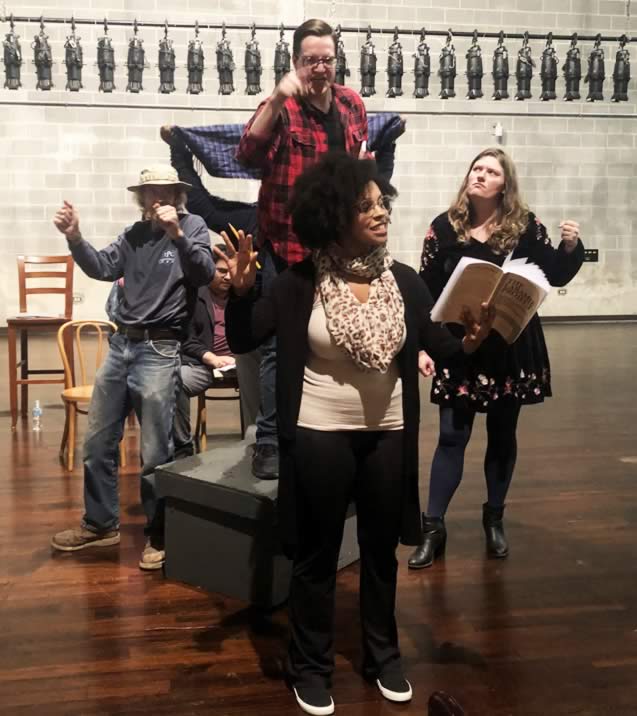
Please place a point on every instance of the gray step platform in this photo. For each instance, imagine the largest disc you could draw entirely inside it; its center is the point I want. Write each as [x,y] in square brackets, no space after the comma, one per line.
[221,531]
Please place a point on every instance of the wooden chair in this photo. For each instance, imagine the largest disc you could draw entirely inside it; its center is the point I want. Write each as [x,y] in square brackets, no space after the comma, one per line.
[76,394]
[226,381]
[24,325]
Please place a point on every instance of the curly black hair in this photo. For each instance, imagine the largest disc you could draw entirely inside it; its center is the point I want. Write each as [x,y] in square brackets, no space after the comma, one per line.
[324,197]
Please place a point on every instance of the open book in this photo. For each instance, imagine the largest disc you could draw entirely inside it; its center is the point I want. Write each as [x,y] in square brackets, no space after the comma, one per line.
[516,290]
[219,372]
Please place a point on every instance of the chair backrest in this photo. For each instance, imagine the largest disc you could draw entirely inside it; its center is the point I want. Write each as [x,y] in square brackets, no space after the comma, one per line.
[100,330]
[66,274]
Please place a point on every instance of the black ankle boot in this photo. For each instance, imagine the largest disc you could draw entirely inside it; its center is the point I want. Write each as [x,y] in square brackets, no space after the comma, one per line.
[497,545]
[433,544]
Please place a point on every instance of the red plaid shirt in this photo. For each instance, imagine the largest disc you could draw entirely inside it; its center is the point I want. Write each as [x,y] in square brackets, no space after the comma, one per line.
[297,141]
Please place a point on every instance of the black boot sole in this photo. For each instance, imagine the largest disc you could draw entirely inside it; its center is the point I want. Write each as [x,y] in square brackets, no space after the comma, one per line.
[420,566]
[495,555]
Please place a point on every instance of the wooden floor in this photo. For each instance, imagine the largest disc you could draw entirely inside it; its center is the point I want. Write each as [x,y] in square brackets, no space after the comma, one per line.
[552,630]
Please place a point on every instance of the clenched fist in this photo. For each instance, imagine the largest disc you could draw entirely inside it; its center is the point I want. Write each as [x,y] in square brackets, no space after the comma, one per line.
[166,217]
[569,233]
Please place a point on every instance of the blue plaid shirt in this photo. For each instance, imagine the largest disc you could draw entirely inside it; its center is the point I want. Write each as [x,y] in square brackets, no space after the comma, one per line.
[216,145]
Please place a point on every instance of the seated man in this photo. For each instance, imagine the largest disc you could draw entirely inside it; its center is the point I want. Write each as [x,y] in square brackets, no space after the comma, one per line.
[163,259]
[205,349]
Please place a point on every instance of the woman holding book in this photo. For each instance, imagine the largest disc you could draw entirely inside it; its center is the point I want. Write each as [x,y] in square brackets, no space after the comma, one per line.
[349,321]
[487,221]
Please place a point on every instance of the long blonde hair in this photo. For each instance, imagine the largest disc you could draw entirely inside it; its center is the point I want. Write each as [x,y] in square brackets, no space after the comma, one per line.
[512,214]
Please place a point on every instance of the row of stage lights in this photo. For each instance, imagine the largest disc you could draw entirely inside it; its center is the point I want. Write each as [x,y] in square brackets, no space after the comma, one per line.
[447,70]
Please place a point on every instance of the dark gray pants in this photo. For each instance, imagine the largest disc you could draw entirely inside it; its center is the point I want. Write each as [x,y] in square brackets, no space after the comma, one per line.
[196,379]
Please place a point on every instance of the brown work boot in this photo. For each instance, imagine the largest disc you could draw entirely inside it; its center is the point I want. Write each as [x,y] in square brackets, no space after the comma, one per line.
[152,557]
[81,538]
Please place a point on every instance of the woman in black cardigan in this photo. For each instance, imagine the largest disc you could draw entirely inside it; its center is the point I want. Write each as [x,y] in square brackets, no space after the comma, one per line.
[349,323]
[487,221]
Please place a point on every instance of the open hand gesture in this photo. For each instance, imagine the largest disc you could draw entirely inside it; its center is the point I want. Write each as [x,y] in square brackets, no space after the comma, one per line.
[242,262]
[476,332]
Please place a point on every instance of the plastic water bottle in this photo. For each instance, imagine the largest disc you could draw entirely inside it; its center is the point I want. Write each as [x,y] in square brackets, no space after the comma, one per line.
[36,414]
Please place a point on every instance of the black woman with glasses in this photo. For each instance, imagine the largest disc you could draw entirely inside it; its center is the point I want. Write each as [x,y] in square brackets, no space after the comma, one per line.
[349,322]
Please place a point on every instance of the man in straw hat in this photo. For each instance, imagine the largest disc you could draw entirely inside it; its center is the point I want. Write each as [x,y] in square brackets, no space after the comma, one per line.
[163,259]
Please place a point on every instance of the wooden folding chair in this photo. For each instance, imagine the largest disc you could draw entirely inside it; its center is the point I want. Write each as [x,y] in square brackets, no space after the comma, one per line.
[76,394]
[228,381]
[25,325]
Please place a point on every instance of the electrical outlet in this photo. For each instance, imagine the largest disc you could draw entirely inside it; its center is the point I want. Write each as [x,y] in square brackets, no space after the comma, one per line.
[562,291]
[591,254]
[78,297]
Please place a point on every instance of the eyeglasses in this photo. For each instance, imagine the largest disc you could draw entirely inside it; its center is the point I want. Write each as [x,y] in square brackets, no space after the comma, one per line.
[307,61]
[366,206]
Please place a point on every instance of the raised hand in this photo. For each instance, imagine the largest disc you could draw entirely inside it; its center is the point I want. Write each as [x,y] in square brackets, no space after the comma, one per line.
[242,261]
[290,85]
[569,233]
[166,217]
[476,332]
[67,221]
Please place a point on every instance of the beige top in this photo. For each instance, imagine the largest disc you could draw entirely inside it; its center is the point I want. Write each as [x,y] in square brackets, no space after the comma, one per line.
[338,395]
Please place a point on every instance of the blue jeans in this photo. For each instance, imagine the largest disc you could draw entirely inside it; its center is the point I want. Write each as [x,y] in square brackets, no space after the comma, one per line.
[143,375]
[266,418]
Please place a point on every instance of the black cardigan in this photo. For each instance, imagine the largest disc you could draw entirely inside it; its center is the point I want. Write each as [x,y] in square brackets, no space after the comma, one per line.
[522,371]
[286,312]
[200,338]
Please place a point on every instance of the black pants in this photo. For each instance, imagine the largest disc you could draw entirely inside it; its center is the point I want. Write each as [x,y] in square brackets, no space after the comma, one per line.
[447,466]
[332,468]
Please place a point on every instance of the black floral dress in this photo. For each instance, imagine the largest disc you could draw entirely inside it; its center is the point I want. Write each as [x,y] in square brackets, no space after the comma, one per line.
[521,371]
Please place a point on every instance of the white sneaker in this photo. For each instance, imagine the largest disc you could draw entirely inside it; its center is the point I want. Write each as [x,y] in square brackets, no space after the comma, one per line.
[314,700]
[152,558]
[394,687]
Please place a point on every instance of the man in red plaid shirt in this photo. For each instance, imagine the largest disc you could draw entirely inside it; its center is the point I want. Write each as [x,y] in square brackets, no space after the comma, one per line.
[306,116]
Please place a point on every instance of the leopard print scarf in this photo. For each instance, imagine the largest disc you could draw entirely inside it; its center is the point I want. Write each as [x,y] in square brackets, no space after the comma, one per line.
[372,332]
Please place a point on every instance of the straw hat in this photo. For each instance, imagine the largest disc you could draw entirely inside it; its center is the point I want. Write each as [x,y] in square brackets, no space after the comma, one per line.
[159,175]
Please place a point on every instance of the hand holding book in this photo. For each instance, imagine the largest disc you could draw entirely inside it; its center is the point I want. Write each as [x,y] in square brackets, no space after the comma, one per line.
[476,331]
[514,291]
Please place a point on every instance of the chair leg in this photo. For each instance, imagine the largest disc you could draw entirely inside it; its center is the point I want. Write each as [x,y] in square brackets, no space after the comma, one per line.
[70,453]
[65,434]
[13,375]
[200,430]
[69,348]
[24,373]
[122,452]
[242,421]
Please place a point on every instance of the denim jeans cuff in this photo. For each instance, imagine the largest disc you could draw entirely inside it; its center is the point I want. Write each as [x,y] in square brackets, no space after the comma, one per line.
[98,530]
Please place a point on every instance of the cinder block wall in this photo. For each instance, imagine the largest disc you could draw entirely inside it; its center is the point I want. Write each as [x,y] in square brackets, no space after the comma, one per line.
[575,159]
